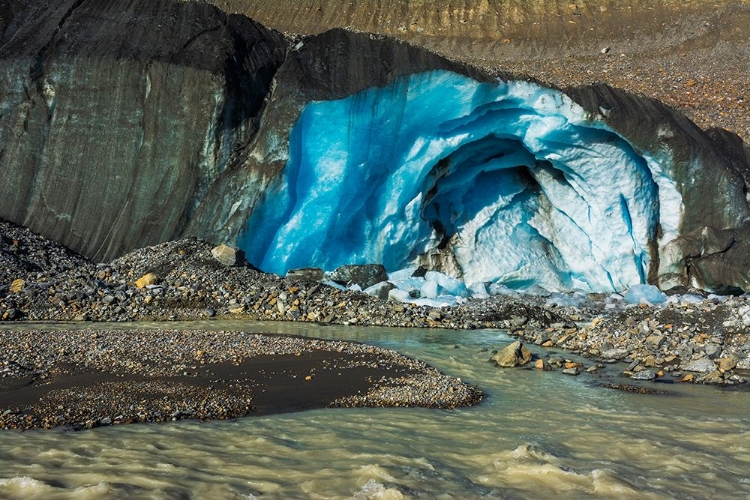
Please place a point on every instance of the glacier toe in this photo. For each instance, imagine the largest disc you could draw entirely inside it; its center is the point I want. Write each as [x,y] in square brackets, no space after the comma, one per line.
[127,124]
[514,182]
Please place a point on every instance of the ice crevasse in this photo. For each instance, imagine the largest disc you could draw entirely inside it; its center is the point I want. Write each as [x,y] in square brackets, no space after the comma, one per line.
[511,182]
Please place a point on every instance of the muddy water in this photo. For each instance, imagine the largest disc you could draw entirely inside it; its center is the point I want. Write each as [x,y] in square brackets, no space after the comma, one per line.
[537,435]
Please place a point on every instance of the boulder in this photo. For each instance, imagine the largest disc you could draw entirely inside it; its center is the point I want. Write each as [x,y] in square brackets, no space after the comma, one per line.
[228,256]
[364,275]
[516,354]
[729,362]
[702,365]
[542,365]
[644,375]
[615,354]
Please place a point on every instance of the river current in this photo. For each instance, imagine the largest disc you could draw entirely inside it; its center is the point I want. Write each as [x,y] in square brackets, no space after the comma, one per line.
[537,435]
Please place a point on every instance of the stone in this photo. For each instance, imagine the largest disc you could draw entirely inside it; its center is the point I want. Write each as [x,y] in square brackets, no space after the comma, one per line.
[146,280]
[571,371]
[728,363]
[542,365]
[644,375]
[516,354]
[712,350]
[364,275]
[655,341]
[17,285]
[12,314]
[702,365]
[714,377]
[616,354]
[684,351]
[228,255]
[306,274]
[380,290]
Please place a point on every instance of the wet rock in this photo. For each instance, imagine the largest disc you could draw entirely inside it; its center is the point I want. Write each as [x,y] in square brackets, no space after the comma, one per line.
[516,354]
[701,365]
[228,256]
[714,377]
[365,275]
[542,365]
[571,371]
[644,375]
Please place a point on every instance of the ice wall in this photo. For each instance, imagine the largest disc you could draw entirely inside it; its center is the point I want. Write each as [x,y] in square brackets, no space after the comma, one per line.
[520,183]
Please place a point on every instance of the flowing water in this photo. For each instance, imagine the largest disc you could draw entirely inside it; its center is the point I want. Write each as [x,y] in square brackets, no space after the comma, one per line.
[537,435]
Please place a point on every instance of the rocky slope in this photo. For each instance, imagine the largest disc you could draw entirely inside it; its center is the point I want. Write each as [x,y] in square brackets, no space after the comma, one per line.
[691,55]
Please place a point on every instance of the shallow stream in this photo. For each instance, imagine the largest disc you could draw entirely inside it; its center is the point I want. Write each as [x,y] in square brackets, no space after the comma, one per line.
[537,435]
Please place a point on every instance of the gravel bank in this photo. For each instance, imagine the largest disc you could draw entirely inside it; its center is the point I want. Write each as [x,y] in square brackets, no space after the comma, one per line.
[89,378]
[694,338]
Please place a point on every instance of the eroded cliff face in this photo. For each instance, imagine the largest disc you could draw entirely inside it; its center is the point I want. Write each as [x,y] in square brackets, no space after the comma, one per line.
[129,123]
[118,116]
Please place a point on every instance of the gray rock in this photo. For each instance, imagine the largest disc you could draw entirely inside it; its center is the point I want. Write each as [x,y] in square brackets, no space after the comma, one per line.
[712,350]
[655,341]
[571,371]
[644,375]
[228,256]
[743,363]
[615,354]
[306,273]
[702,365]
[684,351]
[516,354]
[556,361]
[364,275]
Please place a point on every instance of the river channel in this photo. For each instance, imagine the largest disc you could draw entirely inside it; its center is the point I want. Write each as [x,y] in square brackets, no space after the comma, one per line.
[537,435]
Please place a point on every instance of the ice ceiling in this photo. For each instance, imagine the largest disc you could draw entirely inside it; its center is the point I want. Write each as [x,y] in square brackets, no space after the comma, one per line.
[516,181]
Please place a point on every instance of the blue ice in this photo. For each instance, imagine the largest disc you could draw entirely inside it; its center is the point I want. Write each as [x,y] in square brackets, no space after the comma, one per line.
[525,186]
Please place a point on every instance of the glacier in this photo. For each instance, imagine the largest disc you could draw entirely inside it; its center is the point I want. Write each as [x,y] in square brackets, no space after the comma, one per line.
[512,182]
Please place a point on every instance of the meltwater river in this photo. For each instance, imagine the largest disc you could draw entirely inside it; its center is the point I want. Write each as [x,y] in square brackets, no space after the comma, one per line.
[537,435]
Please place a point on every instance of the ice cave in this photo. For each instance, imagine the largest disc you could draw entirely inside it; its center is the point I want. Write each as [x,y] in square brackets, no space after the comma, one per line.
[514,182]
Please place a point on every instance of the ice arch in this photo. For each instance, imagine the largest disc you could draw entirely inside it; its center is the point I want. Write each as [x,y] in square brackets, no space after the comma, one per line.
[521,184]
